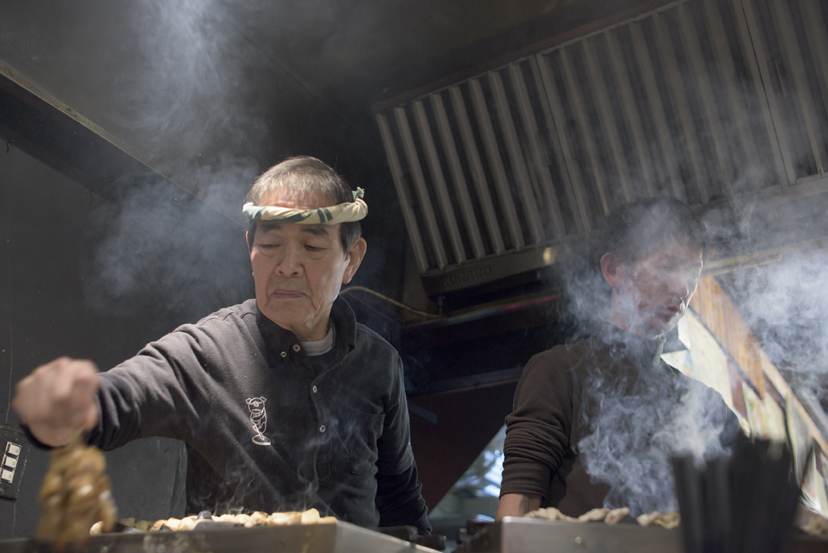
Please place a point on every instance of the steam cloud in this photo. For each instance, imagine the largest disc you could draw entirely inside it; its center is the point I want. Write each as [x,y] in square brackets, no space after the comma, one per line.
[189,87]
[163,251]
[180,252]
[242,482]
[635,435]
[785,304]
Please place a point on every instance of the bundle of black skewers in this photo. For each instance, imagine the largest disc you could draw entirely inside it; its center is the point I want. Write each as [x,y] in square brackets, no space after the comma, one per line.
[744,502]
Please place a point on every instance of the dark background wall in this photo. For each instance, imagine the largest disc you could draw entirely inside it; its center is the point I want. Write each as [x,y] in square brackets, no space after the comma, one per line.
[52,305]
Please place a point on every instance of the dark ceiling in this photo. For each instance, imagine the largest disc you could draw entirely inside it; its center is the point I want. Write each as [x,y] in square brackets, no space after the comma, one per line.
[208,93]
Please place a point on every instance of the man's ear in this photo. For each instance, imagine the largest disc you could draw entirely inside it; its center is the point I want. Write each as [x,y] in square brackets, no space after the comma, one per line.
[355,255]
[612,269]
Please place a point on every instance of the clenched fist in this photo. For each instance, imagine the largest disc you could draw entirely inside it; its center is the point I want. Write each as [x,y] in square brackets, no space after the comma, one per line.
[57,401]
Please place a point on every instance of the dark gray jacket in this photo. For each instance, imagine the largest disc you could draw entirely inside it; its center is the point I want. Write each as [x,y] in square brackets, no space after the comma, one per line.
[263,431]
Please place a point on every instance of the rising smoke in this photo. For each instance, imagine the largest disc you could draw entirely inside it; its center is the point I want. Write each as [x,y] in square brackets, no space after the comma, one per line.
[162,251]
[173,242]
[785,304]
[778,287]
[186,97]
[643,421]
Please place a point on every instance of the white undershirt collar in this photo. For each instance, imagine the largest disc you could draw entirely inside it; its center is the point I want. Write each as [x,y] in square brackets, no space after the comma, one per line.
[320,347]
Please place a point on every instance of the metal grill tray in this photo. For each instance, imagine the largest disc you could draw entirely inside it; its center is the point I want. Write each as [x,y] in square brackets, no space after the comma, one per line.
[524,535]
[339,537]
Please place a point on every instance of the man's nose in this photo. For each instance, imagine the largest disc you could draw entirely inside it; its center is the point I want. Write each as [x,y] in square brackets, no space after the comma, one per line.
[682,284]
[290,262]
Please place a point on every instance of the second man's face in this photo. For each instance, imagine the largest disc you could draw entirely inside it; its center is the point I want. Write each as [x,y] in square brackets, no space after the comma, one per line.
[658,288]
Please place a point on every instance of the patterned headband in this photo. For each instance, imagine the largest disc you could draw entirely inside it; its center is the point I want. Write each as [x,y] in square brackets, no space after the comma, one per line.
[341,213]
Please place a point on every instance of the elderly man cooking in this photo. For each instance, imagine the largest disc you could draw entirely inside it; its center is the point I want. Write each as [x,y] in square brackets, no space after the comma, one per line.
[284,402]
[595,423]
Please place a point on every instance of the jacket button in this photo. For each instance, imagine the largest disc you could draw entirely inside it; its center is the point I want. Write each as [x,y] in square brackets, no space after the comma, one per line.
[313,389]
[322,428]
[284,354]
[296,347]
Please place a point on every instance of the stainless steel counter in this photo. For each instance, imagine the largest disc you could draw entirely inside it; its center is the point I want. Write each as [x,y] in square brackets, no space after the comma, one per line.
[340,537]
[524,535]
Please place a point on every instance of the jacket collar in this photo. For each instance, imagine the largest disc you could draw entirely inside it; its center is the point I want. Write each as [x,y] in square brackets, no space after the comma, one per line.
[279,339]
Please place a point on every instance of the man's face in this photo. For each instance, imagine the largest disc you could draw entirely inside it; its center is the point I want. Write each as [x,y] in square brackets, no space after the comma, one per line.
[653,294]
[298,270]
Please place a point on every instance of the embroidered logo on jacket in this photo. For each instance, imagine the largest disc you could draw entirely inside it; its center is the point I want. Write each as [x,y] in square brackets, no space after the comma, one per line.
[258,416]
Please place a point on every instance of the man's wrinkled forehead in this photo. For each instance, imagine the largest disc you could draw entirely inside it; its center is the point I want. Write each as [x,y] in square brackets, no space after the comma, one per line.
[264,227]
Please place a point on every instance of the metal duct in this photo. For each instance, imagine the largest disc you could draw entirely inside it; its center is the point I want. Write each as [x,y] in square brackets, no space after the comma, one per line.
[701,100]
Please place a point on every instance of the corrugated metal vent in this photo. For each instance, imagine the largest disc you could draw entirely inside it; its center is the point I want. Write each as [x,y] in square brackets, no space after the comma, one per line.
[701,100]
